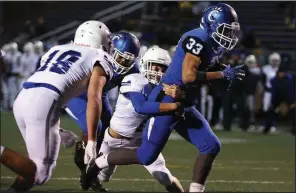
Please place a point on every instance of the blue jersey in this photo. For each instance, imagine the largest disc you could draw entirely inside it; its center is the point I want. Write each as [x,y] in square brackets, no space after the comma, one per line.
[198,43]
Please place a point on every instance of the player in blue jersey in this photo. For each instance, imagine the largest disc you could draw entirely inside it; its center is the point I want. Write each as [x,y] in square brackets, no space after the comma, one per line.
[195,54]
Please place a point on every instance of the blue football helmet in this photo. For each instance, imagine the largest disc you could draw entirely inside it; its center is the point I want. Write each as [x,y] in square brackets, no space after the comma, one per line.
[220,21]
[126,47]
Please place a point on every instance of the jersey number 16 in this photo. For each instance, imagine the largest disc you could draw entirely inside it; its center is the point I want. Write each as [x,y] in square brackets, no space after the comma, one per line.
[62,64]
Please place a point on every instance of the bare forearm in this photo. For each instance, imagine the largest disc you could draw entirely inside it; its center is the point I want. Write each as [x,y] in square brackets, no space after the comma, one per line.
[214,75]
[167,107]
[94,110]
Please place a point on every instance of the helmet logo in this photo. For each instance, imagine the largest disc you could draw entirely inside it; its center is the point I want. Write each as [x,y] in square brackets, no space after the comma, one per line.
[117,37]
[214,13]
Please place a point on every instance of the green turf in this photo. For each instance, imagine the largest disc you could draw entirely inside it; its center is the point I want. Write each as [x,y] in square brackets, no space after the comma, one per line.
[248,162]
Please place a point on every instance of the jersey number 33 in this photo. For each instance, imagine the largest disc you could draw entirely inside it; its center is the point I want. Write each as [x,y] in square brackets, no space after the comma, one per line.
[62,63]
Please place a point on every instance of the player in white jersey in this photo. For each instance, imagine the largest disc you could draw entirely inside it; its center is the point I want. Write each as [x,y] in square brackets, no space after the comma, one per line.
[269,72]
[13,80]
[132,111]
[28,62]
[65,71]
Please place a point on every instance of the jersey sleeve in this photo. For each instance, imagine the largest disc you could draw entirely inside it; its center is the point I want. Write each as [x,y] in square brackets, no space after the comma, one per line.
[104,60]
[133,83]
[193,45]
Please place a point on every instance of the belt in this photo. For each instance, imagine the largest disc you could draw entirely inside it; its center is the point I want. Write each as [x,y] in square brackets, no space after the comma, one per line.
[28,85]
[115,135]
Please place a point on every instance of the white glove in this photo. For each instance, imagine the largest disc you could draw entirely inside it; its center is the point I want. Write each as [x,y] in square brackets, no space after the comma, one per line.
[90,151]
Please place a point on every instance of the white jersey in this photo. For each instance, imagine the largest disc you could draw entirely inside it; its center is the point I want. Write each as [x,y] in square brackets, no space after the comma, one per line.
[28,62]
[125,120]
[14,62]
[69,67]
[270,73]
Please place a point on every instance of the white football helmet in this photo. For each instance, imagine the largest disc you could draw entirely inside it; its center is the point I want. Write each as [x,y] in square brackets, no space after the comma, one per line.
[5,48]
[94,34]
[13,47]
[28,47]
[251,61]
[274,59]
[39,48]
[154,63]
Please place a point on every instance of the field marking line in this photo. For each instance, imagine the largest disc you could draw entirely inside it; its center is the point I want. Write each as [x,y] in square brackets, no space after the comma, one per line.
[152,180]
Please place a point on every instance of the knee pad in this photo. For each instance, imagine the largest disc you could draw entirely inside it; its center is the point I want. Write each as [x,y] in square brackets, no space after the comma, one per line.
[147,153]
[211,146]
[44,171]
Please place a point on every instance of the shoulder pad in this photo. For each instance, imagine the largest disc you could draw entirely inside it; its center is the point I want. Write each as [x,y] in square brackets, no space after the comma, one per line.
[133,83]
[193,45]
[105,61]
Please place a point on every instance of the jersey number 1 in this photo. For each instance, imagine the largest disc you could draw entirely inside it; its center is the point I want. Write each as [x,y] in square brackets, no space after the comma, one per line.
[195,47]
[62,64]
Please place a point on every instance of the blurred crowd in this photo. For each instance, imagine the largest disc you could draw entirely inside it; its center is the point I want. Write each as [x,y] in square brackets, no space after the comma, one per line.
[16,68]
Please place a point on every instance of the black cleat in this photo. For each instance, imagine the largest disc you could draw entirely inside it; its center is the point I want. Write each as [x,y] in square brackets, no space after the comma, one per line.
[79,160]
[91,173]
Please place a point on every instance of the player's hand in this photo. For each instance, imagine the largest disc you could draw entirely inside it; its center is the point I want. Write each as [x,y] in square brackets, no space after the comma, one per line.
[90,151]
[233,73]
[173,91]
[293,106]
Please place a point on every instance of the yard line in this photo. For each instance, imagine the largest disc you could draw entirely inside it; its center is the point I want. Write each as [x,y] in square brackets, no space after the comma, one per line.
[152,180]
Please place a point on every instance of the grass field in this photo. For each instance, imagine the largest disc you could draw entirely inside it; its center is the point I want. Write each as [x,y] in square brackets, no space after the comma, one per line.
[248,162]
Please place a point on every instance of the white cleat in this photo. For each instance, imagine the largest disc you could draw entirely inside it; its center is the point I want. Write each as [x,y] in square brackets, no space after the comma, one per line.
[68,138]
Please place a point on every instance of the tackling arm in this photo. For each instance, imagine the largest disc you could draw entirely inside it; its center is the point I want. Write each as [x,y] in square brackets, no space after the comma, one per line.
[142,106]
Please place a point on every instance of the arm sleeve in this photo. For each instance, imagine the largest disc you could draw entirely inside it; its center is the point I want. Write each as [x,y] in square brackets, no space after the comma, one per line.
[142,106]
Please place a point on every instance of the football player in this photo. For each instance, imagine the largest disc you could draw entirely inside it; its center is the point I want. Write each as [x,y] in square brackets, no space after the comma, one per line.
[269,72]
[124,52]
[65,71]
[13,80]
[132,112]
[28,61]
[195,54]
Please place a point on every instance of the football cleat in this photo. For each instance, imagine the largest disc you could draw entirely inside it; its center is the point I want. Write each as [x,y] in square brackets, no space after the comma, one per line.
[79,160]
[90,174]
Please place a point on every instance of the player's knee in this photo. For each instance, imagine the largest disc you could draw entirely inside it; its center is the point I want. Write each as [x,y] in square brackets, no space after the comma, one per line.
[212,146]
[44,171]
[147,154]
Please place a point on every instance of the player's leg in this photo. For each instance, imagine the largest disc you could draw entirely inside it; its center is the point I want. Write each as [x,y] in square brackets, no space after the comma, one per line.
[21,165]
[162,174]
[76,109]
[197,131]
[41,135]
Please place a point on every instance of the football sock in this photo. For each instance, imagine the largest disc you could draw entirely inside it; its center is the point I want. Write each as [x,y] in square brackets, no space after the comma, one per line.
[102,161]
